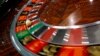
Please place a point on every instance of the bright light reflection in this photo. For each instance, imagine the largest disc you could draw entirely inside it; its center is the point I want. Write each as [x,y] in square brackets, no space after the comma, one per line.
[74,18]
[91,0]
[15,43]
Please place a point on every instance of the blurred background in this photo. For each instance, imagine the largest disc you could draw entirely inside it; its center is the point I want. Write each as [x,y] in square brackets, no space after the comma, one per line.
[8,9]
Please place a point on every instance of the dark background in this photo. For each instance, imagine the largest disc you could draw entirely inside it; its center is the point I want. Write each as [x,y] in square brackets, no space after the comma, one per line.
[7,12]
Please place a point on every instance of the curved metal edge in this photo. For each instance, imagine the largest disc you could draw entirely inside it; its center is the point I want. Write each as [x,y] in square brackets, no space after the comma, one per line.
[22,50]
[70,27]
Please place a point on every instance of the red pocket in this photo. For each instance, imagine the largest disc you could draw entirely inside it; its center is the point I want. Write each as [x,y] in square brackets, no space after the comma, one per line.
[20,28]
[36,46]
[72,51]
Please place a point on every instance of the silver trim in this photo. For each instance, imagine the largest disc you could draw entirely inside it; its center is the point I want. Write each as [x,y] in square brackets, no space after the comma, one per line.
[22,50]
[71,27]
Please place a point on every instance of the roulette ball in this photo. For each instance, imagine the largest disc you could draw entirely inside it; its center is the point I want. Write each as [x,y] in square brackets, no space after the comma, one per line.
[40,28]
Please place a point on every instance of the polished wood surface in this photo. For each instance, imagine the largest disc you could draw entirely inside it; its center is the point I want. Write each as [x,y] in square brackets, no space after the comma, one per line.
[70,12]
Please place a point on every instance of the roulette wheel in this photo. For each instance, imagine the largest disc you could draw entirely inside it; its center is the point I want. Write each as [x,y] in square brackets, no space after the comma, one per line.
[34,34]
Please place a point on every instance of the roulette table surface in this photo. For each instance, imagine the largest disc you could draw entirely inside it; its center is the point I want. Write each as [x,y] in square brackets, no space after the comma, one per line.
[31,37]
[6,47]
